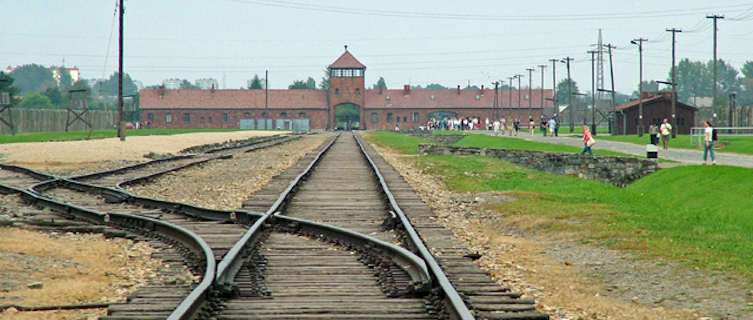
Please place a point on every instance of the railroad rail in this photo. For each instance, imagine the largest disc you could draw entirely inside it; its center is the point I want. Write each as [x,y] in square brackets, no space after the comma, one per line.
[327,239]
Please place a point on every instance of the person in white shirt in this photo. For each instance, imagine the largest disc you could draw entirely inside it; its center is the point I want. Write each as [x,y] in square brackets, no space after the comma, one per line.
[666,130]
[708,142]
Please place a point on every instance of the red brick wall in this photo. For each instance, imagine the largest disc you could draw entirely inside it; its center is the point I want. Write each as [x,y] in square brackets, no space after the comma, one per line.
[343,90]
[317,117]
[423,116]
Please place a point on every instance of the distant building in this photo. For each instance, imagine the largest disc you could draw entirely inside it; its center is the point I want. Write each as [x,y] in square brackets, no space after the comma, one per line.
[171,84]
[656,107]
[207,83]
[382,109]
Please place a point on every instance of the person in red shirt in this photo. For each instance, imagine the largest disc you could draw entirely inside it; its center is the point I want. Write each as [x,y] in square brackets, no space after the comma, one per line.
[586,138]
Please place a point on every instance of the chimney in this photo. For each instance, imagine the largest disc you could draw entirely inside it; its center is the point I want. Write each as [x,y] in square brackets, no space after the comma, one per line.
[406,89]
[161,91]
[458,89]
[648,94]
[212,88]
[482,89]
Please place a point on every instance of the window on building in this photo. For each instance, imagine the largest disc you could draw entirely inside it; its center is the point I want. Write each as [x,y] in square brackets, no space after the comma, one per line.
[209,119]
[201,119]
[358,91]
[150,116]
[478,97]
[397,119]
[405,119]
[187,117]
[283,114]
[247,114]
[387,97]
[527,97]
[302,114]
[337,91]
[168,118]
[224,117]
[374,117]
[264,114]
[415,117]
[389,117]
[431,97]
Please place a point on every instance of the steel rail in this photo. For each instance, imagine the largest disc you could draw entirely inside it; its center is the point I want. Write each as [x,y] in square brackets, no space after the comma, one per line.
[190,304]
[233,259]
[459,307]
[35,174]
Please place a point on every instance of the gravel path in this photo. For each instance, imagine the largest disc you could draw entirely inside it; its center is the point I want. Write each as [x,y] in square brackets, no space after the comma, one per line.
[69,154]
[570,280]
[681,155]
[225,184]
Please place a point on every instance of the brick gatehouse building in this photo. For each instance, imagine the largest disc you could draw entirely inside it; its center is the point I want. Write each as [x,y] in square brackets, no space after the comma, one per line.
[347,102]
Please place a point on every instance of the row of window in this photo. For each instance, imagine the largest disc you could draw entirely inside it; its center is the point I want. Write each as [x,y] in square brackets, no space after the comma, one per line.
[375,118]
[357,91]
[225,117]
[346,73]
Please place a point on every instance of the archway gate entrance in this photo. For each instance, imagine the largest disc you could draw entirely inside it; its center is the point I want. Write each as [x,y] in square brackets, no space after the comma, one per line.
[347,116]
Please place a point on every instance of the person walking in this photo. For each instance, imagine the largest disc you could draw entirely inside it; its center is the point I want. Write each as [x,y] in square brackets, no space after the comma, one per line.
[666,131]
[516,126]
[531,125]
[588,141]
[551,124]
[708,142]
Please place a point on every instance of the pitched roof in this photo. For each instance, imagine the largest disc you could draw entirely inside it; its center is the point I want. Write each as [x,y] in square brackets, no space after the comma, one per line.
[653,99]
[347,60]
[450,98]
[232,99]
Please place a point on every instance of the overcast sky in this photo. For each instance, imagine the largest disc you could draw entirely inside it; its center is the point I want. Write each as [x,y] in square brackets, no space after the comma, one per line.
[416,42]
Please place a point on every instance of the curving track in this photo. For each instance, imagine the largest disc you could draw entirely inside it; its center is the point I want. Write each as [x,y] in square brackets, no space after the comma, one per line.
[327,239]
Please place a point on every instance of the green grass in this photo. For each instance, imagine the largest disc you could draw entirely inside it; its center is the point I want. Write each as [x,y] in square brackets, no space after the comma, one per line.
[96,134]
[403,143]
[701,216]
[743,145]
[500,142]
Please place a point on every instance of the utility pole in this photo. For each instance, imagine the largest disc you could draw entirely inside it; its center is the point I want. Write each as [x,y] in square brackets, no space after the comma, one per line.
[611,77]
[496,100]
[542,66]
[510,95]
[639,42]
[555,110]
[121,121]
[266,90]
[519,76]
[672,121]
[530,89]
[713,100]
[732,106]
[569,93]
[593,94]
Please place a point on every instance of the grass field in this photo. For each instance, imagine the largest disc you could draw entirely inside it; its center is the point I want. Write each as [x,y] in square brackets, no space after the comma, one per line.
[485,141]
[96,134]
[742,145]
[701,216]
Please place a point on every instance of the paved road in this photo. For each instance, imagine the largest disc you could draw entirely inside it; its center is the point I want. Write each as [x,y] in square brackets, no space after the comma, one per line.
[681,155]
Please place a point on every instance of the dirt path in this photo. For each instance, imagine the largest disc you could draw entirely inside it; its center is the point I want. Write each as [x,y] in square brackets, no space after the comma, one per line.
[63,155]
[570,280]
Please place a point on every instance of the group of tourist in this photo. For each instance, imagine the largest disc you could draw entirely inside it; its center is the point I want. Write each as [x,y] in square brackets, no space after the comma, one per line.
[498,126]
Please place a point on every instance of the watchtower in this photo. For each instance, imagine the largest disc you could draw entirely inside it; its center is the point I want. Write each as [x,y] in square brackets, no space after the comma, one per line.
[346,93]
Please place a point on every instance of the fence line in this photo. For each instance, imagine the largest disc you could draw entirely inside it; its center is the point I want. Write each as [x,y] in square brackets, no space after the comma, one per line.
[35,120]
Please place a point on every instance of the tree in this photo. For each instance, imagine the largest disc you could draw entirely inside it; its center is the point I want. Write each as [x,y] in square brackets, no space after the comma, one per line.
[109,87]
[693,80]
[436,86]
[747,70]
[380,84]
[298,85]
[311,83]
[56,98]
[727,79]
[33,78]
[35,101]
[187,85]
[255,83]
[324,83]
[561,92]
[65,78]
[6,85]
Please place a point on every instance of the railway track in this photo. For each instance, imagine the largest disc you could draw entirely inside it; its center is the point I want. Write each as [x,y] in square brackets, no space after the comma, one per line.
[327,239]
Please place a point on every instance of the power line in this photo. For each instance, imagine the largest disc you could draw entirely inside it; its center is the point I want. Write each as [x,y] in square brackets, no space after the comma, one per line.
[480,17]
